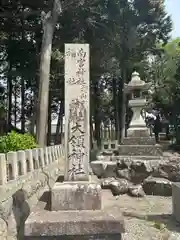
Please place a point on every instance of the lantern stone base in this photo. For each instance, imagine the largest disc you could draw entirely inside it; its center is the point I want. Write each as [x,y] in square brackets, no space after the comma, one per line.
[138,132]
[70,225]
[76,196]
[139,141]
[140,150]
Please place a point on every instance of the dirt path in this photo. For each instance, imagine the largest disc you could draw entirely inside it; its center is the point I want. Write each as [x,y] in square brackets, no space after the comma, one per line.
[146,218]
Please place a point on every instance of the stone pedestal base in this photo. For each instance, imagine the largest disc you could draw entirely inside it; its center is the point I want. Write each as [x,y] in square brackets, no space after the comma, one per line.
[138,132]
[175,200]
[140,150]
[76,214]
[139,141]
[71,225]
[76,196]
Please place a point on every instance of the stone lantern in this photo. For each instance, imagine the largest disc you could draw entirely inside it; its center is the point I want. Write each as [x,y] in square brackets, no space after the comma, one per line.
[137,88]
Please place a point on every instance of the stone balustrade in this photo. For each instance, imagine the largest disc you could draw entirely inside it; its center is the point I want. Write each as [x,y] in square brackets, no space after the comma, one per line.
[25,177]
[16,164]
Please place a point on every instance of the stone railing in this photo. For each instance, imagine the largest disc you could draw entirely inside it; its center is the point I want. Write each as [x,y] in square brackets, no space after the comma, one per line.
[16,164]
[25,178]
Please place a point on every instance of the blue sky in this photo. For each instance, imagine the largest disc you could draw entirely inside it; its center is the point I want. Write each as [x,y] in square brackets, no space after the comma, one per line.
[173,8]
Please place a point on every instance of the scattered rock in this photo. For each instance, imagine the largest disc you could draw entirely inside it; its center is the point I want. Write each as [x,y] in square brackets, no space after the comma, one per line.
[107,153]
[104,168]
[110,170]
[157,186]
[105,183]
[139,171]
[124,173]
[119,186]
[136,191]
[97,168]
[168,169]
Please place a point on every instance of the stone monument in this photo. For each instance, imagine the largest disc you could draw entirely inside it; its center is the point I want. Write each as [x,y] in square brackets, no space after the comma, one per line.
[76,211]
[136,87]
[138,141]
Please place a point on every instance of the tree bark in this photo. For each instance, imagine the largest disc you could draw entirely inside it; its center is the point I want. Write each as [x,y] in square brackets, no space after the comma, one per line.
[123,107]
[15,103]
[22,105]
[43,96]
[9,90]
[96,114]
[49,121]
[115,103]
[59,123]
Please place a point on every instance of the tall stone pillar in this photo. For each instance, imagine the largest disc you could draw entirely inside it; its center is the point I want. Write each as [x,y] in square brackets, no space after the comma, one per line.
[76,211]
[77,135]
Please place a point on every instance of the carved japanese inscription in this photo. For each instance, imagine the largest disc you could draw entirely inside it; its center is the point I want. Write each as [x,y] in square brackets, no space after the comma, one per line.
[77,111]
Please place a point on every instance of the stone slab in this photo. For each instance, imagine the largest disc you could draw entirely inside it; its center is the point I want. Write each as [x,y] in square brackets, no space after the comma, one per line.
[139,141]
[135,132]
[157,186]
[84,237]
[175,200]
[145,150]
[76,196]
[66,225]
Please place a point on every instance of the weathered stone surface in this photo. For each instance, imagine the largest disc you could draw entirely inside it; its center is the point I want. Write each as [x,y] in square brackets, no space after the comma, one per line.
[107,152]
[124,173]
[139,170]
[82,237]
[76,196]
[74,224]
[169,169]
[17,198]
[138,141]
[135,150]
[105,183]
[175,200]
[119,186]
[136,191]
[144,132]
[104,168]
[98,167]
[157,171]
[3,229]
[157,186]
[77,110]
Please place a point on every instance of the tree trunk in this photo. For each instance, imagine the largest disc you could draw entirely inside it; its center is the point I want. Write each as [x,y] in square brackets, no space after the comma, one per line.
[115,103]
[49,133]
[49,26]
[123,108]
[96,114]
[22,105]
[91,133]
[15,103]
[119,104]
[33,113]
[59,123]
[9,90]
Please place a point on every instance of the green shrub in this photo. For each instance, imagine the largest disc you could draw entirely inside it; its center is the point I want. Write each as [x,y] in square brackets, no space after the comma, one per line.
[15,141]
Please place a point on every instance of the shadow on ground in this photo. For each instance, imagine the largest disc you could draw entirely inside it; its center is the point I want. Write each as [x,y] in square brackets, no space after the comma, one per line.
[166,219]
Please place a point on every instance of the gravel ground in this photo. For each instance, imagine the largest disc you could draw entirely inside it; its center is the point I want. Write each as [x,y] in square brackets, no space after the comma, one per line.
[146,218]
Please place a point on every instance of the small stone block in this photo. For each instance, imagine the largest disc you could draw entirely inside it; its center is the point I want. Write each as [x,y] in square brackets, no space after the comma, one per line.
[175,200]
[157,186]
[140,150]
[70,225]
[76,196]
